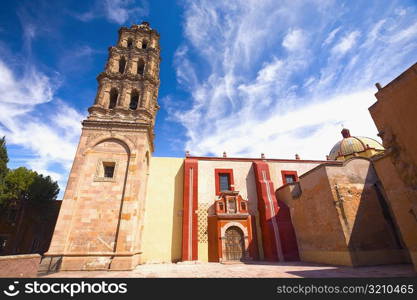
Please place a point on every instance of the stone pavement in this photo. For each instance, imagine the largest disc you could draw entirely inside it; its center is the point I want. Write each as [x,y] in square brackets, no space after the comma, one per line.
[240,270]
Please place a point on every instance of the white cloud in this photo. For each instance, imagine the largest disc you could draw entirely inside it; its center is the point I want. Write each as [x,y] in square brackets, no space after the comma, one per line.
[120,11]
[309,130]
[50,138]
[400,11]
[116,11]
[346,43]
[294,40]
[331,36]
[247,96]
[33,88]
[405,35]
[270,72]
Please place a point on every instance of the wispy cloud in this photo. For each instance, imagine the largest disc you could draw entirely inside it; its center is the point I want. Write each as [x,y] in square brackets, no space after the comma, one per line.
[346,43]
[294,40]
[281,79]
[31,116]
[50,136]
[331,36]
[116,11]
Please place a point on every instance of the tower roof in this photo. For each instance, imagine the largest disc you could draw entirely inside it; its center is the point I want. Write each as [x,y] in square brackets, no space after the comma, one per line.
[353,144]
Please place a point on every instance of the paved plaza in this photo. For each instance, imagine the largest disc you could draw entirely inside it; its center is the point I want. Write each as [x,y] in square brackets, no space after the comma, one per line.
[240,270]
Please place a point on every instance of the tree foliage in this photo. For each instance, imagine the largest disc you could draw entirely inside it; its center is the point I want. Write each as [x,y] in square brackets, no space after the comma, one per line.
[42,189]
[17,183]
[22,184]
[4,159]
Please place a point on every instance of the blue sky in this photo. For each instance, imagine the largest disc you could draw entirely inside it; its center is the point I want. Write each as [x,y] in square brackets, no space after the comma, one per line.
[245,77]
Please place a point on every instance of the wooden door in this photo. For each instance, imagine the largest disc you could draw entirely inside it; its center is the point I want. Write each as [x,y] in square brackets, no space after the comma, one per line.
[235,244]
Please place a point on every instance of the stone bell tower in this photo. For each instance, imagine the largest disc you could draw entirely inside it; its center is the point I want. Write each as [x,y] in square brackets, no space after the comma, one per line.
[101,220]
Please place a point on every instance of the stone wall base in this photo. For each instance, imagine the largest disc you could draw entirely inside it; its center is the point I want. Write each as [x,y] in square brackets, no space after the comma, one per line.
[119,262]
[356,258]
[379,257]
[342,258]
[25,265]
[413,256]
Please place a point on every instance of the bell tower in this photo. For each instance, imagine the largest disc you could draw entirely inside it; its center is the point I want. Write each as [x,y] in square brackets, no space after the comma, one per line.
[101,219]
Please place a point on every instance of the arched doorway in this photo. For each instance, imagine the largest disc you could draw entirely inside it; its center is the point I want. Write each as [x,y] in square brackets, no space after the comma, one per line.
[235,243]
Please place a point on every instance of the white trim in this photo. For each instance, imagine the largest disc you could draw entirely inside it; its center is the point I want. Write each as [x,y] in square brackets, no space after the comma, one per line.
[237,224]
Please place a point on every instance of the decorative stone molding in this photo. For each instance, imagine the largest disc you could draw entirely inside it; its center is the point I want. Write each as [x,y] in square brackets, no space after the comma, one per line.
[100,164]
[130,147]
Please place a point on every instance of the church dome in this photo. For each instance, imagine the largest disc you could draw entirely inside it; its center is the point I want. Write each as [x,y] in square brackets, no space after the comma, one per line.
[354,146]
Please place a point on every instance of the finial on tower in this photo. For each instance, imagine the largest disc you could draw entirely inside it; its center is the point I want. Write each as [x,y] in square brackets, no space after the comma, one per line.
[345,133]
[224,154]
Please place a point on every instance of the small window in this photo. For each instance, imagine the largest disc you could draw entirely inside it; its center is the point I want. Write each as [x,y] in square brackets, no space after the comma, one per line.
[134,100]
[224,182]
[141,67]
[289,178]
[108,170]
[113,98]
[122,65]
[129,43]
[243,205]
[144,44]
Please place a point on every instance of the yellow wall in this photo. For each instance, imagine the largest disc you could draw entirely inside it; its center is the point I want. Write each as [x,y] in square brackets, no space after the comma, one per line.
[162,235]
[203,252]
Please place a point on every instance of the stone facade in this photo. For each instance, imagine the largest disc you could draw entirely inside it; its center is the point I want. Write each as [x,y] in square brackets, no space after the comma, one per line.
[266,228]
[122,207]
[101,221]
[340,216]
[394,115]
[23,266]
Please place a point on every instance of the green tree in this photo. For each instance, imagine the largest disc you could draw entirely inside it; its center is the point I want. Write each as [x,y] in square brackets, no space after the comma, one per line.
[42,189]
[24,184]
[16,184]
[4,159]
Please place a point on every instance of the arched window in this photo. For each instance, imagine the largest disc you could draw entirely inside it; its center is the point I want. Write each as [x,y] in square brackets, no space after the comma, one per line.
[144,44]
[130,43]
[114,94]
[122,65]
[134,100]
[141,67]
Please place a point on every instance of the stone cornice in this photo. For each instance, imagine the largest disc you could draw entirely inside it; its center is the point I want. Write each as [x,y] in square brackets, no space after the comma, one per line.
[122,50]
[138,29]
[120,113]
[121,126]
[116,125]
[127,77]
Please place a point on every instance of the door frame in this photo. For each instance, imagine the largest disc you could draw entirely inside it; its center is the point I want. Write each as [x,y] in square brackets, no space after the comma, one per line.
[245,239]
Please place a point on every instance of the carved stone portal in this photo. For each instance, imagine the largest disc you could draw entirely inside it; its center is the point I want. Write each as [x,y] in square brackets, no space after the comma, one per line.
[234,229]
